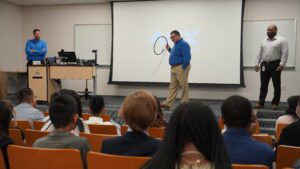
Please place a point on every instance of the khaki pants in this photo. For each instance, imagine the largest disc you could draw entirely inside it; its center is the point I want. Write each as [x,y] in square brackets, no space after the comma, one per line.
[179,79]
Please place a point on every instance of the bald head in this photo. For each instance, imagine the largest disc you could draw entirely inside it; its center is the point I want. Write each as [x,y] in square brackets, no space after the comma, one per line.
[272,31]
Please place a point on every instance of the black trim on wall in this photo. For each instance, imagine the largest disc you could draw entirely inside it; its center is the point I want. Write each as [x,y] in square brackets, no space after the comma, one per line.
[242,80]
[110,81]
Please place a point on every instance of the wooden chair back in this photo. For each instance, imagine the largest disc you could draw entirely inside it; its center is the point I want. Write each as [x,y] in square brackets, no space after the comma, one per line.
[103,129]
[32,135]
[39,158]
[157,132]
[96,140]
[16,136]
[114,162]
[242,166]
[286,156]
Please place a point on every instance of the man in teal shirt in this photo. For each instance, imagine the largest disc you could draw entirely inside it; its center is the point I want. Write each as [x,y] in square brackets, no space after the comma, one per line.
[36,49]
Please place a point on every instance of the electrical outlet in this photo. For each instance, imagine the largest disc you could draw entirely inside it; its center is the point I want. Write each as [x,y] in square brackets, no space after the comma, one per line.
[283,88]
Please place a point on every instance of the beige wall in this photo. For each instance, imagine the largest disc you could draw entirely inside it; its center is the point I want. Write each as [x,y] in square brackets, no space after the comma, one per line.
[57,24]
[11,41]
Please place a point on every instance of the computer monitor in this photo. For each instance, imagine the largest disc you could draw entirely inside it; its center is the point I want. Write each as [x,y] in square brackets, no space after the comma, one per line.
[68,56]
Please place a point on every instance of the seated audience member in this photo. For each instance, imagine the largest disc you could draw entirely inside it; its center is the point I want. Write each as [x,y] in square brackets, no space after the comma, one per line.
[193,140]
[97,108]
[63,115]
[242,148]
[159,121]
[290,134]
[6,114]
[138,111]
[26,109]
[290,116]
[81,125]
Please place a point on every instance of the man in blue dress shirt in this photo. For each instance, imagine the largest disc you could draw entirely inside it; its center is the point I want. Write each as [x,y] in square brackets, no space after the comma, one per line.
[36,49]
[180,57]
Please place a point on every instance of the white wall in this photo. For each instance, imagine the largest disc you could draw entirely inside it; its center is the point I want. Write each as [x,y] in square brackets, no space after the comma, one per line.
[57,25]
[11,41]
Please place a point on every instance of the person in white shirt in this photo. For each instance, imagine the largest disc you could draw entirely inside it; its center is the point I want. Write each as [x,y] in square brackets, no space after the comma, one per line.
[291,115]
[26,109]
[271,60]
[97,108]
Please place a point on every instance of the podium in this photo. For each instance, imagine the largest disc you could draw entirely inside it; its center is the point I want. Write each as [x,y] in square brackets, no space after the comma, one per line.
[40,83]
[41,78]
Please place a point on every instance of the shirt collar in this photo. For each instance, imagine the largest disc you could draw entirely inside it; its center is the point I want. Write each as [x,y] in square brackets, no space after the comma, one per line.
[35,40]
[61,133]
[145,131]
[275,38]
[237,131]
[26,105]
[181,39]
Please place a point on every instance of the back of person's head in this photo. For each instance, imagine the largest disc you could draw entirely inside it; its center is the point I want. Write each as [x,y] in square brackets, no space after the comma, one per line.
[293,103]
[96,105]
[139,110]
[195,123]
[73,94]
[63,111]
[6,114]
[237,112]
[26,95]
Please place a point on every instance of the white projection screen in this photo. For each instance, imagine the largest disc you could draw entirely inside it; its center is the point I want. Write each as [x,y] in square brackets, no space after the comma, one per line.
[213,29]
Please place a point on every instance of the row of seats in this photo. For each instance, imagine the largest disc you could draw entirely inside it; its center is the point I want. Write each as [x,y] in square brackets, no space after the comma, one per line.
[21,157]
[37,125]
[94,139]
[105,130]
[111,130]
[98,129]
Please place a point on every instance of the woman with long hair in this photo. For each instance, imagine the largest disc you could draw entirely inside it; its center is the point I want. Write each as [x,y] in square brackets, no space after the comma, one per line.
[6,115]
[192,141]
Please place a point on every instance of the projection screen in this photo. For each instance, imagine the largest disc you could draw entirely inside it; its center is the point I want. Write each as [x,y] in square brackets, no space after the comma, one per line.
[213,29]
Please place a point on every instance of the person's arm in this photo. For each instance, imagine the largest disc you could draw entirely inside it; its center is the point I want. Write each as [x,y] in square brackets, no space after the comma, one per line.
[271,158]
[29,51]
[186,51]
[168,47]
[43,51]
[84,150]
[258,58]
[284,54]
[39,116]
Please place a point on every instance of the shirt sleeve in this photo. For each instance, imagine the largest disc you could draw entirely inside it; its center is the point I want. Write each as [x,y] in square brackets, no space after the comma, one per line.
[284,52]
[39,116]
[186,51]
[27,49]
[259,55]
[84,150]
[43,50]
